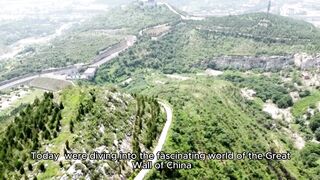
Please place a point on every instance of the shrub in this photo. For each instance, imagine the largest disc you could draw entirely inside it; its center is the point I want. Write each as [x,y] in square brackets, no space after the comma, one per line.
[21,170]
[305,93]
[42,167]
[317,134]
[315,122]
[30,167]
[284,102]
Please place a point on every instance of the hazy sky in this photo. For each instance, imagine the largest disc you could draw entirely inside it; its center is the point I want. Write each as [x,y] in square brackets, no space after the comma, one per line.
[15,9]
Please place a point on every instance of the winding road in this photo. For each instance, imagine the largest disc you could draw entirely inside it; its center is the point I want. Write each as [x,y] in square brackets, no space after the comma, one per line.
[161,141]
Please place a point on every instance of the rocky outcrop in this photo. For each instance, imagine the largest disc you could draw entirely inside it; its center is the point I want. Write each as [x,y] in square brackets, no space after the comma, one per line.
[305,61]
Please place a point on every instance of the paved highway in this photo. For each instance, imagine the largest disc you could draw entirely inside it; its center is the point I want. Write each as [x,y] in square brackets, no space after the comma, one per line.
[18,81]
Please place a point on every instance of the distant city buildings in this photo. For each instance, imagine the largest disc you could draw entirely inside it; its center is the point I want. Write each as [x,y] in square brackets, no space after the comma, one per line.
[302,10]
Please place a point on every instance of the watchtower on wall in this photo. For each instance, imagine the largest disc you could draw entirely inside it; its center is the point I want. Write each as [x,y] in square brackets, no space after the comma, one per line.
[149,3]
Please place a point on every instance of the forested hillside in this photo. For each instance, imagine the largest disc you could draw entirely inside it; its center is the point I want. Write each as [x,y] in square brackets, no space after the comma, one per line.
[191,45]
[211,116]
[38,122]
[79,119]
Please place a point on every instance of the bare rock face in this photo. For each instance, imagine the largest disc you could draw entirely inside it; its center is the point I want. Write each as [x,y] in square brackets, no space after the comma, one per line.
[305,61]
[266,63]
[250,62]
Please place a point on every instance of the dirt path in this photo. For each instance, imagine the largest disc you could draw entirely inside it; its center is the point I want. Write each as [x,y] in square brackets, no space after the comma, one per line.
[161,141]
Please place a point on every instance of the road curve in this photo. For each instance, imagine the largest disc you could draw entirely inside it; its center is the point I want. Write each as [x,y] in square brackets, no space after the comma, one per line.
[161,140]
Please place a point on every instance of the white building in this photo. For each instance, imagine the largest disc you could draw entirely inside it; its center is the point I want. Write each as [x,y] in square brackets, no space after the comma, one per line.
[89,73]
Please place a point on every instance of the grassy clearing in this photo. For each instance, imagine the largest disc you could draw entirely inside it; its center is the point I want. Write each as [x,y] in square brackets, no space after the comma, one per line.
[50,83]
[71,98]
[301,107]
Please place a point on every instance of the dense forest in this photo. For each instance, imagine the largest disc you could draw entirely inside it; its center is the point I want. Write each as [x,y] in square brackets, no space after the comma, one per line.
[146,129]
[35,123]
